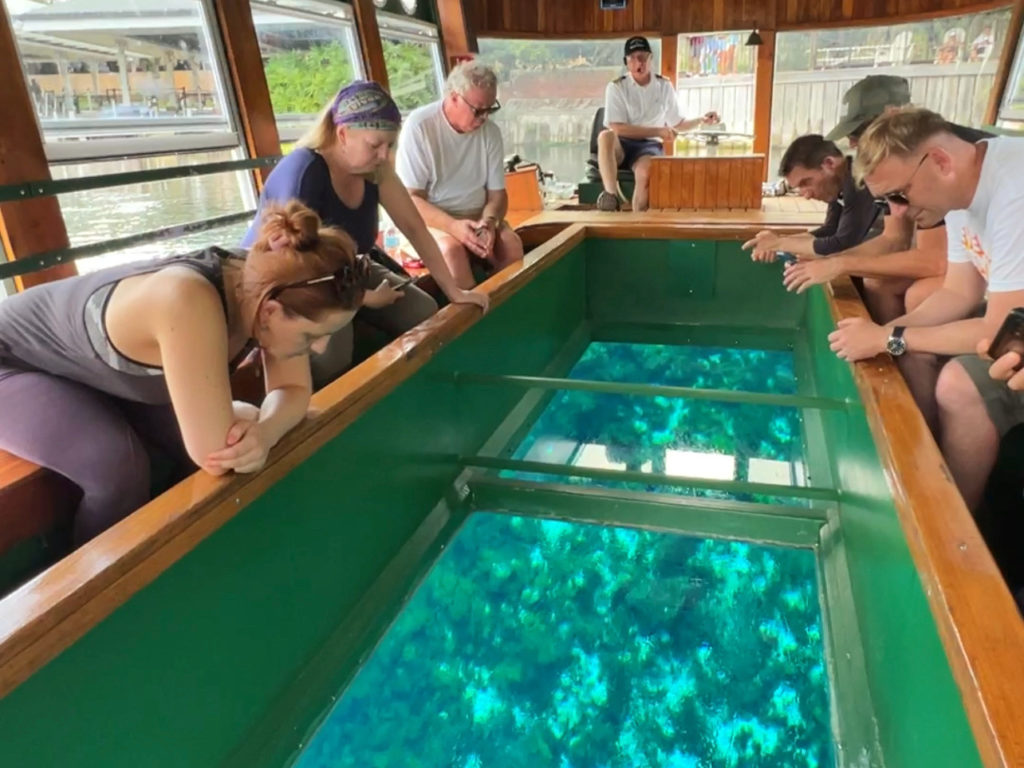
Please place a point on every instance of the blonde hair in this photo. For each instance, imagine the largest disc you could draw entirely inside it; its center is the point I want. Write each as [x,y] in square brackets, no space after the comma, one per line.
[321,134]
[895,134]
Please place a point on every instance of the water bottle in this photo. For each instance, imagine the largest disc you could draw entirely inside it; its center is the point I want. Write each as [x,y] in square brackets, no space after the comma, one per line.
[391,240]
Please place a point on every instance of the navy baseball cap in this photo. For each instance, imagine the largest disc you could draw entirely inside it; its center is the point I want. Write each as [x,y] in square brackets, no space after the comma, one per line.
[637,43]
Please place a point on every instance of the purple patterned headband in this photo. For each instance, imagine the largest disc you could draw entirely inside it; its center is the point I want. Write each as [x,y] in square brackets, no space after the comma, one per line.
[364,104]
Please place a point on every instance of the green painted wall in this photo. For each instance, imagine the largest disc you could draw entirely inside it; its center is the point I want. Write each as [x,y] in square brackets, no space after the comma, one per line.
[921,721]
[182,674]
[179,674]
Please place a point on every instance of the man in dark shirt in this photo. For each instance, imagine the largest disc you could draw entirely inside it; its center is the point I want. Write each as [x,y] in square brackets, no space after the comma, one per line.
[816,168]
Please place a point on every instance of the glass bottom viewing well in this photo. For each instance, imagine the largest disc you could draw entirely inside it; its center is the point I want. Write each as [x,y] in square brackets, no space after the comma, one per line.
[536,642]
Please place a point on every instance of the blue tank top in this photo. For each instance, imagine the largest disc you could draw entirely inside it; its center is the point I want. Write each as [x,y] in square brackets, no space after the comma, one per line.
[303,174]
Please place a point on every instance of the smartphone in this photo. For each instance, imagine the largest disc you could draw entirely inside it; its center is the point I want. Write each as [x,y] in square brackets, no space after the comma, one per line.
[405,282]
[785,257]
[1010,337]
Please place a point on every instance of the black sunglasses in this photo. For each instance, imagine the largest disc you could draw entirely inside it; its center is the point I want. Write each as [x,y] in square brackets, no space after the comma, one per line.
[340,281]
[481,111]
[899,197]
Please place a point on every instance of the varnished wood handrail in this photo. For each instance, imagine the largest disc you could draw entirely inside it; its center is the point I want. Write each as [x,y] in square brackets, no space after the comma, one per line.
[976,617]
[52,611]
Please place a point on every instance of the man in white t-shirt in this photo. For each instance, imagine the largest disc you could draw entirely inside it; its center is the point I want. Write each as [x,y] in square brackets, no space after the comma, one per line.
[925,171]
[640,112]
[450,159]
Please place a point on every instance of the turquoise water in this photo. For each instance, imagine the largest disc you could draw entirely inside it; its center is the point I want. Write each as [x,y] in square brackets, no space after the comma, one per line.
[673,436]
[536,643]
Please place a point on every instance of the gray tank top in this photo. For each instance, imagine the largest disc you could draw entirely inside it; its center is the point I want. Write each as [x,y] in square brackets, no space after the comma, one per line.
[59,328]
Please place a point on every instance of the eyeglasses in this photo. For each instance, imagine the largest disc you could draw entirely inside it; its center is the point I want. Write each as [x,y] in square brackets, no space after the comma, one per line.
[479,112]
[899,197]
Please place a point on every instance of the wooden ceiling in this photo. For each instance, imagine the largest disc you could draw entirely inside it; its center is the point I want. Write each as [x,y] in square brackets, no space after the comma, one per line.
[583,18]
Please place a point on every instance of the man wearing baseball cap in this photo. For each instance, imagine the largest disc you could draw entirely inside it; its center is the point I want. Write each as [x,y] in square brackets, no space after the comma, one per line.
[866,100]
[640,112]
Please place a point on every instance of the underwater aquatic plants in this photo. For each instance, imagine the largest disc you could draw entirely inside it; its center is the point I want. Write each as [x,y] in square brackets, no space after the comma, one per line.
[545,643]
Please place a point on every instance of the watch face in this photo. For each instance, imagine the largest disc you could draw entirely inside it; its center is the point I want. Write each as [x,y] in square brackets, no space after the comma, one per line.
[896,346]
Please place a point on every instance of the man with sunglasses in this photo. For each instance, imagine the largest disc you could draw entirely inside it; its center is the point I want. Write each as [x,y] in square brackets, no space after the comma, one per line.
[450,159]
[905,263]
[914,159]
[641,112]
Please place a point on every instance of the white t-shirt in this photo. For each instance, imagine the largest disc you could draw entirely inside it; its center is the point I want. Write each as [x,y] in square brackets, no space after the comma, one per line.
[650,106]
[456,169]
[990,233]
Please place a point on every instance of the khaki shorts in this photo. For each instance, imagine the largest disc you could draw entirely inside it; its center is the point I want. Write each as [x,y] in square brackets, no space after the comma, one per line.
[1005,406]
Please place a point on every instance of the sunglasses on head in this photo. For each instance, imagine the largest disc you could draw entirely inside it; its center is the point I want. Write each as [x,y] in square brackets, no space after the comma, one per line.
[339,280]
[481,111]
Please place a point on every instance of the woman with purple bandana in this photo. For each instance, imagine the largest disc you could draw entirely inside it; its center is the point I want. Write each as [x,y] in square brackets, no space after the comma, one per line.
[342,170]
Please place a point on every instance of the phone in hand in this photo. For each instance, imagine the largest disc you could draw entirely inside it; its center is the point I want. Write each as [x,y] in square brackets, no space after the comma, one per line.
[404,282]
[785,257]
[1010,337]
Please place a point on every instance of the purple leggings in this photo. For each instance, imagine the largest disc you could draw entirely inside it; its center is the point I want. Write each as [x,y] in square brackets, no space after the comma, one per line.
[101,443]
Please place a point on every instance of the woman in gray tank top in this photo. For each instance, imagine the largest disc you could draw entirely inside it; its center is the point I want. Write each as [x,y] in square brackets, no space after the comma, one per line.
[97,372]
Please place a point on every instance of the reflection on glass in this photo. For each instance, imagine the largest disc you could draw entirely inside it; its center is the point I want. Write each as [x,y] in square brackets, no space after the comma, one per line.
[716,72]
[950,62]
[103,214]
[118,67]
[670,436]
[412,71]
[306,60]
[550,91]
[545,643]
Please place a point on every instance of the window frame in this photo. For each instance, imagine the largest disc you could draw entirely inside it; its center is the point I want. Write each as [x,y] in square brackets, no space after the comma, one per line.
[1006,112]
[338,16]
[413,30]
[190,137]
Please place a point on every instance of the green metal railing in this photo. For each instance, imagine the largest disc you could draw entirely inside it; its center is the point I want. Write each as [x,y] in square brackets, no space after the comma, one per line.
[647,478]
[48,259]
[656,390]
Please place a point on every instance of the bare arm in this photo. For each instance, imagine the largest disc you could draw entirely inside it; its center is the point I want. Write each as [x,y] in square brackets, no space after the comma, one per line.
[496,206]
[403,210]
[430,213]
[627,131]
[938,325]
[941,325]
[462,230]
[193,348]
[801,244]
[926,259]
[289,387]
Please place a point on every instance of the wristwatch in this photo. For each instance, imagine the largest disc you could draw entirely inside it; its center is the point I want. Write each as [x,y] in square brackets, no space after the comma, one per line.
[896,345]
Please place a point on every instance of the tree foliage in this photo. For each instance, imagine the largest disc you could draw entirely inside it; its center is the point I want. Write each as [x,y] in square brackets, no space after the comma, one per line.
[303,81]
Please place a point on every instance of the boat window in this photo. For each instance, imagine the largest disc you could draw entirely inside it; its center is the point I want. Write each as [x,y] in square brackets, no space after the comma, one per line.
[550,91]
[951,64]
[104,214]
[412,56]
[716,72]
[309,49]
[1011,112]
[117,77]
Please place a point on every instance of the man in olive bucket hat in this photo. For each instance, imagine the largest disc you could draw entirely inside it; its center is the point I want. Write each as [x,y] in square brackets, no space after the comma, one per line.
[866,100]
[906,263]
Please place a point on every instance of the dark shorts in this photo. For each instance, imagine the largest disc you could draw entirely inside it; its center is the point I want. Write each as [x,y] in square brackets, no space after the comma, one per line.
[1005,406]
[634,149]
